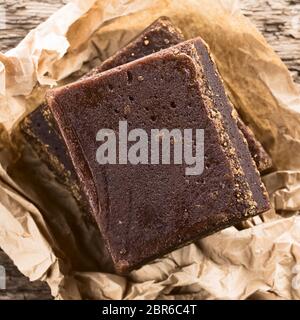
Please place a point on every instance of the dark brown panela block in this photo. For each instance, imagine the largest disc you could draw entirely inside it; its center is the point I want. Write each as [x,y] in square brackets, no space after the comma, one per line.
[145,211]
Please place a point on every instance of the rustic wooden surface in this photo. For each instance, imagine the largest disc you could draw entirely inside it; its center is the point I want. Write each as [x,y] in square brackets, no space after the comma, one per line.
[278,20]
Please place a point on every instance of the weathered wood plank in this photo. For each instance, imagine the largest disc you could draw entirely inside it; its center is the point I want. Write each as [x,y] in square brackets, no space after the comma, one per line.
[18,286]
[22,16]
[278,20]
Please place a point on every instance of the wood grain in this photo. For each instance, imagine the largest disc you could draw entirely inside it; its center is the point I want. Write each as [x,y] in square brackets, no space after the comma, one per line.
[278,20]
[21,17]
[18,286]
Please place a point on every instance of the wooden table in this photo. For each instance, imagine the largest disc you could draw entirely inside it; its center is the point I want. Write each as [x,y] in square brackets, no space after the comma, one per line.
[278,20]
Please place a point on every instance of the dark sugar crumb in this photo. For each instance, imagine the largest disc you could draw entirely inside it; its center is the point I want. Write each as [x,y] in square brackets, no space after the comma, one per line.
[129,77]
[173,105]
[153,118]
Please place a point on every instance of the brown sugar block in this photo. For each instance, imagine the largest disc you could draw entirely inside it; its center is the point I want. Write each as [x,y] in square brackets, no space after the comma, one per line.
[161,34]
[145,211]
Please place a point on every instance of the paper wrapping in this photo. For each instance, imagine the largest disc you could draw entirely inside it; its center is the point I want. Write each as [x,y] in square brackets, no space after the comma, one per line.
[47,236]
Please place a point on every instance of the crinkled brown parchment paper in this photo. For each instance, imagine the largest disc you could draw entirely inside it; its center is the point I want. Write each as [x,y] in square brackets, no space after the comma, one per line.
[54,243]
